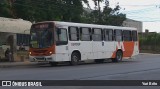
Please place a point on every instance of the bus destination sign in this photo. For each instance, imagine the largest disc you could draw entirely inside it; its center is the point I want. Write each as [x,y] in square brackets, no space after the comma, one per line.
[42,26]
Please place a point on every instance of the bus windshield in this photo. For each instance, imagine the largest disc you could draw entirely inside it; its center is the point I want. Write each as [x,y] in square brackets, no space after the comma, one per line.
[41,38]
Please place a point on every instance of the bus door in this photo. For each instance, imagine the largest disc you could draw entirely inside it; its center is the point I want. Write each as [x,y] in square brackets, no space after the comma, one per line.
[61,44]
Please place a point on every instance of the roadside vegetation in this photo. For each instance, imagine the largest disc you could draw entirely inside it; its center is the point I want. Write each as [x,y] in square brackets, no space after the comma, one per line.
[62,10]
[150,42]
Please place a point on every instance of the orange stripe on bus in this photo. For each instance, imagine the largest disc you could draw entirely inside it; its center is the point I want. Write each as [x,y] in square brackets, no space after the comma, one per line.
[128,49]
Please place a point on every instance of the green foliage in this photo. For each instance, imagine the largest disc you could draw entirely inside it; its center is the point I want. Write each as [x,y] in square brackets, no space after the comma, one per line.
[40,10]
[5,9]
[108,16]
[150,41]
[61,10]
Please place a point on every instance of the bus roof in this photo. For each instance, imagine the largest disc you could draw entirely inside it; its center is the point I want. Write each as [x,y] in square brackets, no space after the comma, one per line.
[60,23]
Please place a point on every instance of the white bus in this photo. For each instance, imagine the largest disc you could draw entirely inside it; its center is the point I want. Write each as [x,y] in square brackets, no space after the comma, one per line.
[55,41]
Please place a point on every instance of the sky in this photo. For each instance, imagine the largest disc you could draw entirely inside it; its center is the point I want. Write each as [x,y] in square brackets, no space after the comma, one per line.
[147,11]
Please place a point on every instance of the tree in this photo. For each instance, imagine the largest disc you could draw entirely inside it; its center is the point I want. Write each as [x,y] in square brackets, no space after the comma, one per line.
[5,9]
[112,16]
[40,10]
[23,9]
[97,3]
[107,16]
[72,10]
[61,10]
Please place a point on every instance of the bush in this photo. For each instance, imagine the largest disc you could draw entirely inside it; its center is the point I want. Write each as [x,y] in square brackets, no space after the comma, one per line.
[150,41]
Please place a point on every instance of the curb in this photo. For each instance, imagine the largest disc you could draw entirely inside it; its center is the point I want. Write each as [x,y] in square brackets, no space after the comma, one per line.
[15,64]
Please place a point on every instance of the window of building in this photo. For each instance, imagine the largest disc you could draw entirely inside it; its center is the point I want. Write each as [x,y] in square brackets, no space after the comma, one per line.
[85,34]
[97,34]
[134,35]
[127,35]
[118,35]
[108,34]
[73,33]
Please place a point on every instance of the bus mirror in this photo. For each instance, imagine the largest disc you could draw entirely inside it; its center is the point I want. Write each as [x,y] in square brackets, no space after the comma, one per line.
[58,31]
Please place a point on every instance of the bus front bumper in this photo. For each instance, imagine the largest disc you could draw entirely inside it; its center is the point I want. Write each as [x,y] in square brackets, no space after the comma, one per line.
[51,58]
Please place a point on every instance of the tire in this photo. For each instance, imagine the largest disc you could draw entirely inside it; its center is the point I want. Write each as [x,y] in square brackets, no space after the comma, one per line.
[99,60]
[53,63]
[119,56]
[75,58]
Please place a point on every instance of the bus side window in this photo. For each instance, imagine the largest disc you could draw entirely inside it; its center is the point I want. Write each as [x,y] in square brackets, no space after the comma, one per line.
[61,36]
[73,33]
[85,34]
[134,36]
[118,35]
[127,35]
[108,34]
[111,36]
[97,34]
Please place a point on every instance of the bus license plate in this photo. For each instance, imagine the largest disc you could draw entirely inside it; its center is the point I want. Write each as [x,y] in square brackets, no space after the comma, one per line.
[41,59]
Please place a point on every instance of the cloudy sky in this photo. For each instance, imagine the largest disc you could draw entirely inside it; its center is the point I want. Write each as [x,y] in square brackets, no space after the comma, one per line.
[147,11]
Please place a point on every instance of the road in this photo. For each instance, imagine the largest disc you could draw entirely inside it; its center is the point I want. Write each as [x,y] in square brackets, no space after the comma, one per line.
[142,67]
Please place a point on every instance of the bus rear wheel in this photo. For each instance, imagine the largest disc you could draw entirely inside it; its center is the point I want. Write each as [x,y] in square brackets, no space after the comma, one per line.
[119,56]
[75,58]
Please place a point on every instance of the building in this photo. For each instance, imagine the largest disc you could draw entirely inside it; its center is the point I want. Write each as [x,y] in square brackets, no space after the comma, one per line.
[133,23]
[13,33]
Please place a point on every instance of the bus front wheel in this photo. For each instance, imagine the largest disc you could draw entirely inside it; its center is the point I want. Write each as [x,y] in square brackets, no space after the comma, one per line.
[75,57]
[119,56]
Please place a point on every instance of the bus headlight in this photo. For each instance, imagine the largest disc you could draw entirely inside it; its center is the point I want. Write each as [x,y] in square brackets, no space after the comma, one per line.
[50,52]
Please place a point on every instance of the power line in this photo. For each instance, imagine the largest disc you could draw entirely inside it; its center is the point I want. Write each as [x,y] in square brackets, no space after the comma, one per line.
[140,10]
[152,21]
[145,19]
[142,13]
[142,5]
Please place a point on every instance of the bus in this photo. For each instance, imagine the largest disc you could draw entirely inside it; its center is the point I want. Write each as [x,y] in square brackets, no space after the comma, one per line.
[56,41]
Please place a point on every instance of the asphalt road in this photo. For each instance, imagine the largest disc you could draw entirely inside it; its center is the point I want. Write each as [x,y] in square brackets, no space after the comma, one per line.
[142,67]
